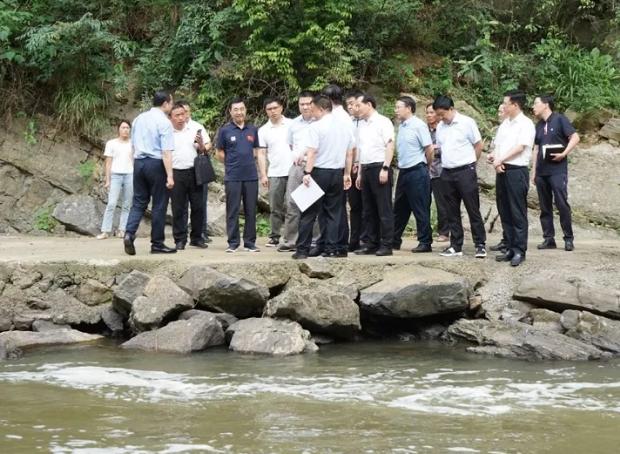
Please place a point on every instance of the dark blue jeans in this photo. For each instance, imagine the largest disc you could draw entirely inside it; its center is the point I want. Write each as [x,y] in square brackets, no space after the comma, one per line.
[554,188]
[149,185]
[413,195]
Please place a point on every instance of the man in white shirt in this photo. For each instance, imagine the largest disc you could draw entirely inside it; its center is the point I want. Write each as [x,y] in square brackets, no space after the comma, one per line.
[460,142]
[297,138]
[375,148]
[329,157]
[273,147]
[198,128]
[511,157]
[185,189]
[357,234]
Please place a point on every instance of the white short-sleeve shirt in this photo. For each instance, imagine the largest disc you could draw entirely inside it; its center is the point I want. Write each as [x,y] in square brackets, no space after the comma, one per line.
[373,136]
[514,132]
[457,140]
[274,137]
[332,137]
[121,153]
[298,136]
[184,151]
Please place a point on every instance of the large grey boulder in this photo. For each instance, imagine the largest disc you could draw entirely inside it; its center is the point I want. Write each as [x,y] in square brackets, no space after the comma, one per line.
[317,268]
[546,319]
[183,336]
[318,309]
[599,331]
[162,301]
[220,292]
[557,292]
[11,340]
[270,337]
[225,320]
[611,130]
[416,291]
[519,340]
[94,293]
[64,309]
[131,287]
[79,213]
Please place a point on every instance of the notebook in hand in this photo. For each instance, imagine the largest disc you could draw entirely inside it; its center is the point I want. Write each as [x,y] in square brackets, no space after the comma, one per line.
[548,151]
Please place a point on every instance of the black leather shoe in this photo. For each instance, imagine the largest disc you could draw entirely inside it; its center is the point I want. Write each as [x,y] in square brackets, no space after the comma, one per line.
[342,254]
[366,251]
[383,252]
[180,245]
[130,249]
[568,245]
[501,246]
[505,257]
[396,247]
[163,249]
[208,239]
[547,244]
[422,248]
[517,259]
[353,247]
[198,244]
[315,252]
[299,256]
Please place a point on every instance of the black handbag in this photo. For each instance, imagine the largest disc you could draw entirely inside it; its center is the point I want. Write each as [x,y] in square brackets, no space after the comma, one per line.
[203,167]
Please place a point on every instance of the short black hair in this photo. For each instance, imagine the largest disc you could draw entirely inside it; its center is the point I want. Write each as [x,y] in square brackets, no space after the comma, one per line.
[354,93]
[183,102]
[334,93]
[160,97]
[306,94]
[178,105]
[366,98]
[547,99]
[235,100]
[269,99]
[408,101]
[430,104]
[517,97]
[323,101]
[443,102]
[120,123]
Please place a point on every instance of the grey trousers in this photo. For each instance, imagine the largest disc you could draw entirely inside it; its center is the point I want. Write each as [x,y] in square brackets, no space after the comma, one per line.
[277,205]
[291,223]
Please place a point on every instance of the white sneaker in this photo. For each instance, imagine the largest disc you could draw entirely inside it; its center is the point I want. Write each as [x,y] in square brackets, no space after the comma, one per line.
[231,249]
[481,252]
[451,252]
[103,236]
[252,249]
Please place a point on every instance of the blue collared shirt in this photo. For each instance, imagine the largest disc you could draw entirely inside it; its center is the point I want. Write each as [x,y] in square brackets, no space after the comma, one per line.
[238,145]
[413,137]
[151,134]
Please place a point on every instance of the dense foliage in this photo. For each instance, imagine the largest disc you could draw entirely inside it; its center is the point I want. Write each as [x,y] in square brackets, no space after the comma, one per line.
[74,58]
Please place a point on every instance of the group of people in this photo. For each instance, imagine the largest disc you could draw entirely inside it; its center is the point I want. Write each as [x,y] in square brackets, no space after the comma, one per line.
[348,154]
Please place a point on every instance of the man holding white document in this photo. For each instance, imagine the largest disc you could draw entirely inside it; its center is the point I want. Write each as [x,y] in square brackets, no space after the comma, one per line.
[555,139]
[329,158]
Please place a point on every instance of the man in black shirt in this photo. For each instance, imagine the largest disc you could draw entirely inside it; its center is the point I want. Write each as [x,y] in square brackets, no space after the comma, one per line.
[555,139]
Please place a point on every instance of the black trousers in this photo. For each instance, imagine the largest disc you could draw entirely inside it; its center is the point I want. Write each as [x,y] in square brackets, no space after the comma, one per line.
[184,192]
[237,192]
[413,195]
[461,185]
[357,230]
[329,210]
[511,195]
[378,215]
[554,188]
[149,184]
[437,189]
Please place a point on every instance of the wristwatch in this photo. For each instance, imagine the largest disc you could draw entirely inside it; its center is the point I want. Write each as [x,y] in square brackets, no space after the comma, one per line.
[386,168]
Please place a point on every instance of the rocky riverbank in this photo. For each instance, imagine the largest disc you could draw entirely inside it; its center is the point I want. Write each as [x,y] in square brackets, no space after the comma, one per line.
[558,305]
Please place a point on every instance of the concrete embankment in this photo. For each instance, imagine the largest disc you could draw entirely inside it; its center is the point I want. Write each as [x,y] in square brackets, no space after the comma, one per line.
[557,305]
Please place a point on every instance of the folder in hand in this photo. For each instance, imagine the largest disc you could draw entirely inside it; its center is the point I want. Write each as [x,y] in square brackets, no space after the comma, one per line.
[549,150]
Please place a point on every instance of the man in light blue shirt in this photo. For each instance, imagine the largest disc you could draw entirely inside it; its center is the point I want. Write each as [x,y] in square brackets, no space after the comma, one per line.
[153,143]
[413,188]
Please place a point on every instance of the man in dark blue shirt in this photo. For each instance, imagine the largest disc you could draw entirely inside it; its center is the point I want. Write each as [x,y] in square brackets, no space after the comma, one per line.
[236,146]
[555,139]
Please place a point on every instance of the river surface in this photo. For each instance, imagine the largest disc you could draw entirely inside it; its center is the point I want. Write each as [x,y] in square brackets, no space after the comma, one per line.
[380,397]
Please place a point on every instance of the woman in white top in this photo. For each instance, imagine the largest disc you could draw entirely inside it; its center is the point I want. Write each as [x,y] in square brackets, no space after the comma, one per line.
[118,179]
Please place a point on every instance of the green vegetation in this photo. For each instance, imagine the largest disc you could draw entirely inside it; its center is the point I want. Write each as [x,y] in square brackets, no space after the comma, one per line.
[86,170]
[44,221]
[71,59]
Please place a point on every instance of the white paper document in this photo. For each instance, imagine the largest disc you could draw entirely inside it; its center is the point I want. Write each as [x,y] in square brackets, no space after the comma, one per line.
[304,196]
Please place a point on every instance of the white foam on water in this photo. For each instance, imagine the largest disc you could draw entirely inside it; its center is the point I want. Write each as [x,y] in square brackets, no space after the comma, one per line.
[446,391]
[14,437]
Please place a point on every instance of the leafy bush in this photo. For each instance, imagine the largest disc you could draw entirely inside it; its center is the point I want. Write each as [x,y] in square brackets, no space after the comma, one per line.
[43,220]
